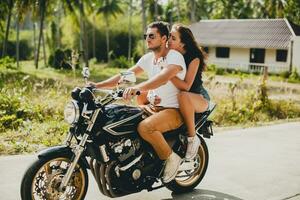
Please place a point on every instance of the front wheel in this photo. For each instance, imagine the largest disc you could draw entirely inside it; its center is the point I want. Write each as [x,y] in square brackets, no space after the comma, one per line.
[187,180]
[42,180]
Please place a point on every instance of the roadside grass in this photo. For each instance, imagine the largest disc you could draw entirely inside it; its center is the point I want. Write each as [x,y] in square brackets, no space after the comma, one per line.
[281,77]
[32,102]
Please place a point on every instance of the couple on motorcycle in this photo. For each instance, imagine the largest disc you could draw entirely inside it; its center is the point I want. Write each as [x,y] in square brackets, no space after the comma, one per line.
[174,88]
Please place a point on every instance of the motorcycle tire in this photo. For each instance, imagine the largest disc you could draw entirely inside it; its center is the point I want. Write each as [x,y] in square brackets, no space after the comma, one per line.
[181,186]
[35,184]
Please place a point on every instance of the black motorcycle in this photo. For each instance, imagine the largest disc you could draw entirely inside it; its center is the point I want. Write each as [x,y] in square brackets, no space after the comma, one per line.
[103,138]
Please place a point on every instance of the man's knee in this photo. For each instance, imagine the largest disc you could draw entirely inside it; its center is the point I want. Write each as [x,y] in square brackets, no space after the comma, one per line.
[144,129]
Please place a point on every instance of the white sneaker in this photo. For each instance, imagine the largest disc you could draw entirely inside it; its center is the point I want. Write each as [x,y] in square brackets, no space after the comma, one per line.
[192,147]
[171,168]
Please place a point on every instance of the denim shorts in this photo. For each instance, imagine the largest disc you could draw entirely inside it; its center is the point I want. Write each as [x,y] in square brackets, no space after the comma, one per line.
[204,93]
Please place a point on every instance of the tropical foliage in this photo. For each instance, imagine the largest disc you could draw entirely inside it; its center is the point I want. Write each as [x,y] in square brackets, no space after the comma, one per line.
[93,26]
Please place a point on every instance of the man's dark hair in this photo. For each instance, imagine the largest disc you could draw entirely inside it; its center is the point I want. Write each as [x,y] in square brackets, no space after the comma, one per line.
[162,27]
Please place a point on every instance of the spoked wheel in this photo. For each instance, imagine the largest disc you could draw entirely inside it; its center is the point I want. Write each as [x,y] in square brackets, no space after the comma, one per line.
[43,178]
[191,173]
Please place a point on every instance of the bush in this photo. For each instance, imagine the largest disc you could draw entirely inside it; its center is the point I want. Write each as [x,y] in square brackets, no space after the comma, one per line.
[211,67]
[252,107]
[284,74]
[294,76]
[220,71]
[61,59]
[120,62]
[25,51]
[7,62]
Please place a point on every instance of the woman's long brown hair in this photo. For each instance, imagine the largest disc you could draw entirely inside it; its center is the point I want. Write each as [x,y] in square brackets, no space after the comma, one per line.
[190,44]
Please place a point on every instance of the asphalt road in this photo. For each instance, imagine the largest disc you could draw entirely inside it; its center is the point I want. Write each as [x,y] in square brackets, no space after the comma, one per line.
[260,163]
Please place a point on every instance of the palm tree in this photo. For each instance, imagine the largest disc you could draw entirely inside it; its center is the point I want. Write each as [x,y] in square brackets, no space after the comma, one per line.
[178,10]
[192,8]
[274,8]
[109,8]
[144,21]
[155,10]
[129,29]
[42,10]
[10,5]
[292,11]
[22,6]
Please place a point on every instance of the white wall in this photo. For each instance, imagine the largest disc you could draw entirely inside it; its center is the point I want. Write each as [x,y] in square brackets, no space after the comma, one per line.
[236,55]
[296,53]
[240,57]
[275,66]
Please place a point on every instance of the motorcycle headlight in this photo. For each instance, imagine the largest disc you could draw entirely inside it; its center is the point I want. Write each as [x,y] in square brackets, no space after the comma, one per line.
[71,112]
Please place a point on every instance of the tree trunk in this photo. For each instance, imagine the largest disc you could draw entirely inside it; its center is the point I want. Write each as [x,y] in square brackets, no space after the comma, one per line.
[18,41]
[129,30]
[42,16]
[170,14]
[44,49]
[143,22]
[107,38]
[34,41]
[84,45]
[193,11]
[11,3]
[178,10]
[58,36]
[94,36]
[155,10]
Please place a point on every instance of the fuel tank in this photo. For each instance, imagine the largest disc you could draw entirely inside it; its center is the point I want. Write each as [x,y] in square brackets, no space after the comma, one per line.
[121,119]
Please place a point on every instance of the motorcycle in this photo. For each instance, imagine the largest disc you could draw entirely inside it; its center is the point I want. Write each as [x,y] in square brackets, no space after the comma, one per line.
[103,138]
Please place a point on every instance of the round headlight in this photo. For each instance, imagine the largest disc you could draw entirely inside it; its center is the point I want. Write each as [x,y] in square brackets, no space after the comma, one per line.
[71,112]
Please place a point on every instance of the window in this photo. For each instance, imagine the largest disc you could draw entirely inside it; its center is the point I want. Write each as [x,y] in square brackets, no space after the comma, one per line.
[222,52]
[281,55]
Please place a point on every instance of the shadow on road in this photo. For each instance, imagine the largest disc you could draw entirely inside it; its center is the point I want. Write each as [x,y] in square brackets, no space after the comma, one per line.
[198,194]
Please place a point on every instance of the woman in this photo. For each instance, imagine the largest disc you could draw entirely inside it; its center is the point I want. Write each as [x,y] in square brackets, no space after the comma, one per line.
[193,97]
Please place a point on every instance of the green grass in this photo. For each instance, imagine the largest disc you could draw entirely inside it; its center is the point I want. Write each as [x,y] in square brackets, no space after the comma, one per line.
[252,76]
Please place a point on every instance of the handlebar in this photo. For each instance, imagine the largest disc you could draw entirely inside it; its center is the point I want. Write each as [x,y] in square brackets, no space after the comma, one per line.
[116,93]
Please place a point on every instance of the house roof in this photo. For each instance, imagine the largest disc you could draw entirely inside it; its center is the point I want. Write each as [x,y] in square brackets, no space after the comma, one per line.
[245,33]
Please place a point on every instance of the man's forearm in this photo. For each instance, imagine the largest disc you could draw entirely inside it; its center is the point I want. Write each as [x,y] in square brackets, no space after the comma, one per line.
[109,83]
[113,81]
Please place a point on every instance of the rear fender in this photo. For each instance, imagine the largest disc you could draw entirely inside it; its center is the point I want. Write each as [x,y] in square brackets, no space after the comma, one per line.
[61,150]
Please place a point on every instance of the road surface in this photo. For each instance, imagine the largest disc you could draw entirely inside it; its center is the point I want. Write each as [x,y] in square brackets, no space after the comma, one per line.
[261,163]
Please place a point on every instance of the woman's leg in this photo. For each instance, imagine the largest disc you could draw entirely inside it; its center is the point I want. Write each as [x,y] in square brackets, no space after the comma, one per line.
[189,103]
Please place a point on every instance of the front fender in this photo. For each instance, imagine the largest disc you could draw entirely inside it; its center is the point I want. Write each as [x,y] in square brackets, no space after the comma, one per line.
[61,150]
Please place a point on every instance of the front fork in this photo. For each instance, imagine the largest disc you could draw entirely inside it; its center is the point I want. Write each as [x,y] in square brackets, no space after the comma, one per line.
[78,149]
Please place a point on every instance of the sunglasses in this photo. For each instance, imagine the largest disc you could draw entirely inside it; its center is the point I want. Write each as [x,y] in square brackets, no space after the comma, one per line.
[150,35]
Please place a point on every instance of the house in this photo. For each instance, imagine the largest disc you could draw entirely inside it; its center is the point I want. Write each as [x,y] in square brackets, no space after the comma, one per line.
[250,44]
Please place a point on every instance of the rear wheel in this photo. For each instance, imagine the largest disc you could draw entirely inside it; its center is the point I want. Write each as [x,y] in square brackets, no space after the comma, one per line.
[43,178]
[187,180]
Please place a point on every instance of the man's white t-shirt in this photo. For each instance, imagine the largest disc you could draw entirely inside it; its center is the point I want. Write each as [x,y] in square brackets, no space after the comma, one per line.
[168,92]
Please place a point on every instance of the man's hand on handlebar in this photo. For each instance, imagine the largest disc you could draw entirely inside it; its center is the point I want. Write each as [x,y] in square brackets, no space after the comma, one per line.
[130,92]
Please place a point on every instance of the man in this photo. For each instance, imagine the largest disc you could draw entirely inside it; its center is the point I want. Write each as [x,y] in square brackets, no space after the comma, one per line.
[161,64]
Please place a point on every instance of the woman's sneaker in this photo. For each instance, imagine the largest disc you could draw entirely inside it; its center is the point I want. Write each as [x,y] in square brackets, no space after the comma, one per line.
[192,147]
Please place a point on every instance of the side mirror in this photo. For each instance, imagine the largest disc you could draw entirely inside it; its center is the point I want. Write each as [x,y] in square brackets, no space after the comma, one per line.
[127,77]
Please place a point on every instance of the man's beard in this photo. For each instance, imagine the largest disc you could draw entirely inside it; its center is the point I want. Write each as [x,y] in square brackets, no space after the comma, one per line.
[157,48]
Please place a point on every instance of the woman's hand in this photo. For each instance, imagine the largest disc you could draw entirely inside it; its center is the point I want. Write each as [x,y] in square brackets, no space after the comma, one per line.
[157,100]
[154,100]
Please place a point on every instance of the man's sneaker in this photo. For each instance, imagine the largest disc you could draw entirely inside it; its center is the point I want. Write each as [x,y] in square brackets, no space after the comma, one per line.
[171,168]
[192,147]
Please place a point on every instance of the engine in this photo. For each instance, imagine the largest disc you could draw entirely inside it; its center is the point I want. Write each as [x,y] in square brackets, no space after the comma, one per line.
[125,148]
